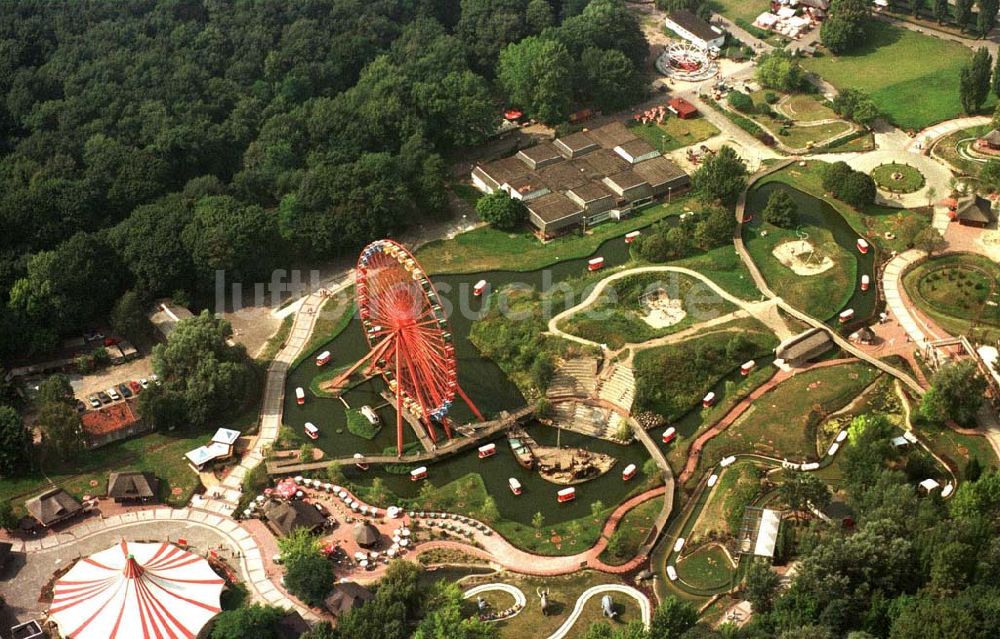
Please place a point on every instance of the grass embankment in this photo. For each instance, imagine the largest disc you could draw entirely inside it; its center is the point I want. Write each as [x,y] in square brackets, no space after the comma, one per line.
[707,568]
[358,424]
[334,316]
[160,454]
[676,133]
[805,107]
[276,341]
[784,423]
[672,379]
[947,149]
[618,316]
[799,132]
[955,290]
[723,266]
[913,78]
[736,488]
[898,178]
[632,531]
[872,221]
[488,249]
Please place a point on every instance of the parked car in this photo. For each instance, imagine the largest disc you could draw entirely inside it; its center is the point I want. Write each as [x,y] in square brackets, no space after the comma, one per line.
[125,390]
[94,401]
[135,386]
[104,397]
[144,382]
[80,406]
[113,394]
[93,336]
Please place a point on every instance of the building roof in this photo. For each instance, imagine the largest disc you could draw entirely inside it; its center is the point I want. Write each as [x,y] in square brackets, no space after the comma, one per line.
[658,170]
[167,315]
[365,534]
[992,138]
[975,208]
[132,485]
[52,506]
[815,4]
[346,596]
[635,148]
[109,418]
[682,106]
[563,176]
[611,135]
[292,626]
[628,179]
[504,170]
[693,24]
[226,436]
[600,163]
[767,533]
[285,517]
[544,152]
[576,144]
[590,192]
[553,207]
[527,184]
[803,345]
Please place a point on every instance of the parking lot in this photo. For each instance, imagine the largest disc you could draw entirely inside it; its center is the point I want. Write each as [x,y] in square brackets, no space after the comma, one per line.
[86,385]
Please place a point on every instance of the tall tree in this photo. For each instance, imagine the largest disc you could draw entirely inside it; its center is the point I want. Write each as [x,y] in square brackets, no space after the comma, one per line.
[672,618]
[257,621]
[956,393]
[963,13]
[722,177]
[15,442]
[308,574]
[761,586]
[987,16]
[536,74]
[916,6]
[846,26]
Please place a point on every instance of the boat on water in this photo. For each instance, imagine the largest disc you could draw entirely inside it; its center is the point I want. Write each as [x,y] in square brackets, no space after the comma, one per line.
[712,480]
[487,451]
[845,316]
[479,288]
[709,400]
[595,264]
[566,494]
[370,414]
[747,367]
[669,435]
[863,245]
[323,358]
[520,445]
[300,396]
[866,282]
[631,236]
[311,431]
[515,486]
[359,462]
[418,473]
[672,573]
[629,472]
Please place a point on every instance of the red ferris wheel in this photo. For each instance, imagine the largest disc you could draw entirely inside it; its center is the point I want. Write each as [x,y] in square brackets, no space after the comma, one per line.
[408,337]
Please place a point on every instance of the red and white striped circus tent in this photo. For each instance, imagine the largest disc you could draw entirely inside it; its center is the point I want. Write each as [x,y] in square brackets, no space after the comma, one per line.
[136,591]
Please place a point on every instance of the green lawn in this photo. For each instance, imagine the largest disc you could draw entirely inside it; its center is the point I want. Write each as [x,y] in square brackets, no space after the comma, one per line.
[800,133]
[161,454]
[723,266]
[912,77]
[898,178]
[618,316]
[955,289]
[873,221]
[805,107]
[713,522]
[783,423]
[747,10]
[676,133]
[633,528]
[276,341]
[820,295]
[707,568]
[958,449]
[947,148]
[487,249]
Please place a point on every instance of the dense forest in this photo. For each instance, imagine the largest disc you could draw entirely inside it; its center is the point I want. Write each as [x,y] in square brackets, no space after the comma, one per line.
[146,144]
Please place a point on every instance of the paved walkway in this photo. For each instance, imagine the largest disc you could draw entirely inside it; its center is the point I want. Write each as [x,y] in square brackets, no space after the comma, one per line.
[235,544]
[926,138]
[892,286]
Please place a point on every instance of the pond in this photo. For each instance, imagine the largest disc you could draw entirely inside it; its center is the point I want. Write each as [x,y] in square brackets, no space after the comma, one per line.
[488,388]
[815,212]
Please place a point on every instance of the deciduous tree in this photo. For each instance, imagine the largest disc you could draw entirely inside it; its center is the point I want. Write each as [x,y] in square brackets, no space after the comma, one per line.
[721,177]
[15,442]
[536,74]
[501,210]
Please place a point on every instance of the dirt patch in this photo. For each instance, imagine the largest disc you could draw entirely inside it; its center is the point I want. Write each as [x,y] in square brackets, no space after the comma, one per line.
[801,257]
[252,325]
[662,311]
[86,385]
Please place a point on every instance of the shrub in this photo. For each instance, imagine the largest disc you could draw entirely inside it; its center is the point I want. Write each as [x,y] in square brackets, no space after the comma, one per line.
[781,210]
[740,101]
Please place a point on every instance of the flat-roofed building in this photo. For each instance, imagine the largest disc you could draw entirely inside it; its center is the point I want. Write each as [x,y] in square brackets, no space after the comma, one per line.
[611,135]
[491,176]
[576,145]
[554,213]
[636,151]
[695,30]
[544,154]
[662,175]
[601,163]
[527,187]
[564,176]
[630,186]
[593,197]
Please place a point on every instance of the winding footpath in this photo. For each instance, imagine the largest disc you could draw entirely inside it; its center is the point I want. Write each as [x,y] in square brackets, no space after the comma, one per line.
[645,609]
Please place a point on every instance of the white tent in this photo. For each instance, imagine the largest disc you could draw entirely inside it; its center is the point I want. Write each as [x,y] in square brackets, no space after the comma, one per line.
[767,534]
[136,591]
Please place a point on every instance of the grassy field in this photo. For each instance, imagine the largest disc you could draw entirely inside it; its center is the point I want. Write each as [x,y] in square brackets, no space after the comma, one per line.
[487,249]
[805,107]
[873,221]
[617,317]
[712,521]
[741,9]
[947,148]
[958,449]
[633,528]
[954,290]
[724,267]
[909,178]
[913,78]
[160,454]
[676,133]
[783,423]
[799,133]
[820,295]
[707,568]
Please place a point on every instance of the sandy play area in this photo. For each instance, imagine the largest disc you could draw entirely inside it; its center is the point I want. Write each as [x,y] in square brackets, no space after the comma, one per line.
[798,256]
[661,310]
